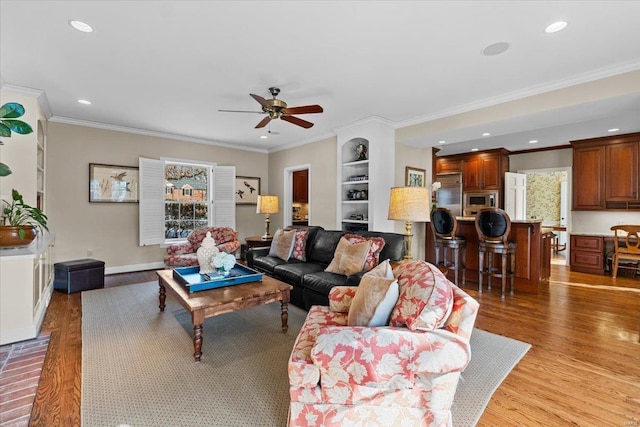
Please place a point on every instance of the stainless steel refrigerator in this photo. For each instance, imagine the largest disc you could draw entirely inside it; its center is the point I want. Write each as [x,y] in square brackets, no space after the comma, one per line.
[450,194]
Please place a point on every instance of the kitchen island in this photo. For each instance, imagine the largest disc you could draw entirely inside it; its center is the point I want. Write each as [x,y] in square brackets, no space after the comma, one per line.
[533,253]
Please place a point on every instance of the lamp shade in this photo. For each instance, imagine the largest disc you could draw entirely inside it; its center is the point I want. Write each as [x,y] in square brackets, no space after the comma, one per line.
[267,205]
[410,204]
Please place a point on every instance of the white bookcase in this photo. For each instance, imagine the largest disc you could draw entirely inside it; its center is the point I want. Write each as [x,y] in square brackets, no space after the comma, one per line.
[364,184]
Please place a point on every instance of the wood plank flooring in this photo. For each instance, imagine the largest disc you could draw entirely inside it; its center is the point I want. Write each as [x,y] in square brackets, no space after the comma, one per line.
[583,368]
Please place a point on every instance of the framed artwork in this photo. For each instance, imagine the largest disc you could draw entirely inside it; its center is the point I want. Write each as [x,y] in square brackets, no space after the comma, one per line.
[247,190]
[414,177]
[113,184]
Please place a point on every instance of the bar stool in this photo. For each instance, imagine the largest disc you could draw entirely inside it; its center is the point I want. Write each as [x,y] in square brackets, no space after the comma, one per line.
[444,226]
[493,226]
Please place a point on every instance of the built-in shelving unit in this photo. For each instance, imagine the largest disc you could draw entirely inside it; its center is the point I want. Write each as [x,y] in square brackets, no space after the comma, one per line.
[355,185]
[40,166]
[366,158]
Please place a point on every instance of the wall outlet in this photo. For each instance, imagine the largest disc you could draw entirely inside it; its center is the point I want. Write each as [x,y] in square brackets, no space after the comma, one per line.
[89,252]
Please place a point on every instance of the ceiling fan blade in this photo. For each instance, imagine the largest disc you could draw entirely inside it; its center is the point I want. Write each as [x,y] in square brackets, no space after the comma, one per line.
[261,101]
[297,121]
[263,122]
[241,111]
[305,109]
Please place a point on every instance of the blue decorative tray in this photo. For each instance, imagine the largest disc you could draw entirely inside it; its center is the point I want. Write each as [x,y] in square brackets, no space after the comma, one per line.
[190,278]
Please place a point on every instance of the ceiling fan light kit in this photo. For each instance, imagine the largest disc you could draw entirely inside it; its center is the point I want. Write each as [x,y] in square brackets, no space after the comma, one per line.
[277,109]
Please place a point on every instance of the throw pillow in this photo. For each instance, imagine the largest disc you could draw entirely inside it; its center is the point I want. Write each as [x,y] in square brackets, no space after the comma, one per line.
[282,244]
[348,257]
[373,257]
[300,243]
[426,297]
[382,270]
[374,300]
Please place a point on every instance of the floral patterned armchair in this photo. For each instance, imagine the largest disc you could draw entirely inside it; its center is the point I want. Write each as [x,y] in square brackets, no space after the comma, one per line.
[404,374]
[184,254]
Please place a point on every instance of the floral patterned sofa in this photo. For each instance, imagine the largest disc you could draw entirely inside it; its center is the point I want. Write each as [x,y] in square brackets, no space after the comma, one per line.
[403,374]
[184,254]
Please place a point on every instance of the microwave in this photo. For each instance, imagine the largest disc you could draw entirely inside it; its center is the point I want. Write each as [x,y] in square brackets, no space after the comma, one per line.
[476,200]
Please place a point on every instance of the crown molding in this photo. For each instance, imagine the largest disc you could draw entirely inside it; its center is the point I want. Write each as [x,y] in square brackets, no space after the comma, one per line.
[40,95]
[322,137]
[366,120]
[146,132]
[590,76]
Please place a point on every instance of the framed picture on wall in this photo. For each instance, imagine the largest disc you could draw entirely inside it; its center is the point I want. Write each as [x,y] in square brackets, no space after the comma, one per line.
[414,177]
[247,190]
[113,184]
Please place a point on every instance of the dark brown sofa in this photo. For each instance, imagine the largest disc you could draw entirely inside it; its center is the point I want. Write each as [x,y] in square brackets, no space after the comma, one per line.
[311,284]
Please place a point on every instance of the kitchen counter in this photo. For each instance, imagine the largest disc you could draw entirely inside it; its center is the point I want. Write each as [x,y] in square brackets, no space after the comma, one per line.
[533,253]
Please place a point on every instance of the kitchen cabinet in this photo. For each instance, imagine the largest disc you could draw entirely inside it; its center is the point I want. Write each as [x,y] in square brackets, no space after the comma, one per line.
[301,186]
[445,165]
[480,171]
[587,254]
[621,183]
[484,171]
[605,173]
[588,177]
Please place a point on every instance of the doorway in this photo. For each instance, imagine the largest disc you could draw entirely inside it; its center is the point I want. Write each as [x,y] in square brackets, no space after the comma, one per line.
[297,195]
[548,200]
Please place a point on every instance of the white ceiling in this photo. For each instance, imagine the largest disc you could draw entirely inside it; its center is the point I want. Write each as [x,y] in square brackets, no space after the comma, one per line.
[167,67]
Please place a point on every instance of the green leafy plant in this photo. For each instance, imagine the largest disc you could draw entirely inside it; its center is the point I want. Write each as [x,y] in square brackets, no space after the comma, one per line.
[9,112]
[17,213]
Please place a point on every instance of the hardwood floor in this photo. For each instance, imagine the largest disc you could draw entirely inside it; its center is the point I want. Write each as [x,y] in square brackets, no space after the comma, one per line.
[583,368]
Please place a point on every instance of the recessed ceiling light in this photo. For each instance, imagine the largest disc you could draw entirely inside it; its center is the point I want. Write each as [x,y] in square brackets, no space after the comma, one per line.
[533,141]
[474,149]
[441,142]
[81,26]
[555,27]
[613,130]
[486,134]
[263,137]
[84,101]
[495,49]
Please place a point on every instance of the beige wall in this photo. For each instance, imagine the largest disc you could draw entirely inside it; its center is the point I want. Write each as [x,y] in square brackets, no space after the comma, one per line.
[418,158]
[110,231]
[541,160]
[322,158]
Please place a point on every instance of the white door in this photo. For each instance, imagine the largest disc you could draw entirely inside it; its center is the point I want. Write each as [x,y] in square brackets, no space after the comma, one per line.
[515,195]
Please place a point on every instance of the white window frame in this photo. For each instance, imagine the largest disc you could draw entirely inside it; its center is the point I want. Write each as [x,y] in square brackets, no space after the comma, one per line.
[220,189]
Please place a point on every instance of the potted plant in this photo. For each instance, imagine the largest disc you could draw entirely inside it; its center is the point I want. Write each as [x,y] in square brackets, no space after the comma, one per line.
[20,223]
[9,113]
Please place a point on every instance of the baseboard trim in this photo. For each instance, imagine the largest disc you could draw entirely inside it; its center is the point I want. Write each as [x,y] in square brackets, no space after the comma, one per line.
[133,267]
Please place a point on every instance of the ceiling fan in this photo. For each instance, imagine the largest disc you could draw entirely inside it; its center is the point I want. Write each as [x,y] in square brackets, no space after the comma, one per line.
[277,109]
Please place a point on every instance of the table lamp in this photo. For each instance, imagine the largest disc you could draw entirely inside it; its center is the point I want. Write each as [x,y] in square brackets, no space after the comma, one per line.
[409,204]
[267,205]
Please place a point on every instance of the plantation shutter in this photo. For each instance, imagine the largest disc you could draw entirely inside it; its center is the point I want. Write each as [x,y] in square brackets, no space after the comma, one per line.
[151,207]
[224,198]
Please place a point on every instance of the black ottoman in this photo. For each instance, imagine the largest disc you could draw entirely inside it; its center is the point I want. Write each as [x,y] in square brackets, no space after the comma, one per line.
[79,275]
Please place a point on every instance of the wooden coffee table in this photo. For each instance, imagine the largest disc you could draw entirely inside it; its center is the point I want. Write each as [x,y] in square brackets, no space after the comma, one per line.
[209,303]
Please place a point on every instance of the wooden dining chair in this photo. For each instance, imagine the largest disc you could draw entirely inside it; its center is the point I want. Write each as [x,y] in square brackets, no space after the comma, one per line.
[628,254]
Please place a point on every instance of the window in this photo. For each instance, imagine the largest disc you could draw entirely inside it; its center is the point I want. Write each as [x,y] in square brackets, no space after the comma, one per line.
[186,206]
[177,196]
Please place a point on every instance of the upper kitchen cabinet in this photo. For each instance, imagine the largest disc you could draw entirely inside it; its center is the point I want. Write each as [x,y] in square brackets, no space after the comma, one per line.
[301,186]
[446,165]
[588,178]
[480,171]
[605,173]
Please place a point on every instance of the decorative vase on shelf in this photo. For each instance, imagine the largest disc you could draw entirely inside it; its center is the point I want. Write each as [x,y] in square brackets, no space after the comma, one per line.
[206,252]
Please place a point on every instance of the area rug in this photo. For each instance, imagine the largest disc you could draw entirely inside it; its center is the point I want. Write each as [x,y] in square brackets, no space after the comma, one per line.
[138,368]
